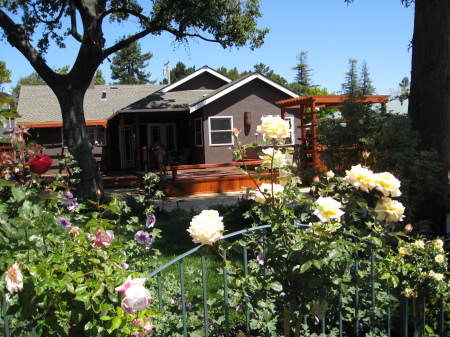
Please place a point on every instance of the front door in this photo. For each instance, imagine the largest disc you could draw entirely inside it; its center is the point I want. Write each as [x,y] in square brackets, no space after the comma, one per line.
[155,135]
[127,146]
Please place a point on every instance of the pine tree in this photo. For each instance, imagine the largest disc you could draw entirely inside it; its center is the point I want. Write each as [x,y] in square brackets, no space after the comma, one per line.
[128,65]
[351,85]
[303,77]
[98,78]
[178,72]
[365,83]
[404,86]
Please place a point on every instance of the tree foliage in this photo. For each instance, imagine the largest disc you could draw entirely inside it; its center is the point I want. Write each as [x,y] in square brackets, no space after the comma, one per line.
[5,74]
[178,72]
[303,77]
[226,22]
[128,65]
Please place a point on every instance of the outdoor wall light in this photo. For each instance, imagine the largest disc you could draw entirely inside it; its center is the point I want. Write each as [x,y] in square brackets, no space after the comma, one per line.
[247,118]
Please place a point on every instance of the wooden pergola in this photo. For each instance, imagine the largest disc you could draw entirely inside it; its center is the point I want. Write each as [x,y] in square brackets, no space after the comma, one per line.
[307,105]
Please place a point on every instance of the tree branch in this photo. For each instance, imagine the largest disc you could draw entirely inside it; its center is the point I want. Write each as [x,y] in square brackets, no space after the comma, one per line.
[17,37]
[56,20]
[73,24]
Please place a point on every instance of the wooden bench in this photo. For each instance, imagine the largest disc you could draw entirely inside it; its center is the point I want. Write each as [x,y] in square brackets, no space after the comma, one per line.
[175,168]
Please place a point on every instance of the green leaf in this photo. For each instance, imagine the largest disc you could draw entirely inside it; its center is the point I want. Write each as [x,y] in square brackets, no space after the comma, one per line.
[277,286]
[305,266]
[116,322]
[4,183]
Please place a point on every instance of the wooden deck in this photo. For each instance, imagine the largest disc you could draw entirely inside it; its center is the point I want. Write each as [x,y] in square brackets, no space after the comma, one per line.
[188,181]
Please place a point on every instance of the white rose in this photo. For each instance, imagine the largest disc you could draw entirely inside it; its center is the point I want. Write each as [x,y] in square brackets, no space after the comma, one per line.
[267,190]
[273,158]
[360,178]
[136,298]
[207,227]
[387,184]
[328,209]
[273,127]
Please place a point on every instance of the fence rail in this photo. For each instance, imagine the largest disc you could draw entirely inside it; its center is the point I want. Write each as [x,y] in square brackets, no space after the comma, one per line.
[402,316]
[401,331]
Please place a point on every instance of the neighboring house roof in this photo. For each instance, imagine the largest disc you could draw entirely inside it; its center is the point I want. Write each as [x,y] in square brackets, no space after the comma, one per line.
[396,106]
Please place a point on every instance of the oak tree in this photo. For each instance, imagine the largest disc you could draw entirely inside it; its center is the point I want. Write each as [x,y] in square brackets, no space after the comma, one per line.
[227,22]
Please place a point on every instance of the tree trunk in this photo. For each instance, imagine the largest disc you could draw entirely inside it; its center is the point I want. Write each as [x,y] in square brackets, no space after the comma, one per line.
[429,104]
[76,138]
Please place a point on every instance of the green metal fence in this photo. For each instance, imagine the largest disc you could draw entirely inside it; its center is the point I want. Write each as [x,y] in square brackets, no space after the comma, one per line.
[402,320]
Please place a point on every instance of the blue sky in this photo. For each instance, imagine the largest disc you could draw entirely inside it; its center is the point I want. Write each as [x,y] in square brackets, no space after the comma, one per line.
[330,31]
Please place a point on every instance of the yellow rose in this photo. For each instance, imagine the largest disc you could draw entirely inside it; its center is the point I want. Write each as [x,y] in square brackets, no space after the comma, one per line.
[360,178]
[389,210]
[328,209]
[439,277]
[439,258]
[402,250]
[387,184]
[439,244]
[274,127]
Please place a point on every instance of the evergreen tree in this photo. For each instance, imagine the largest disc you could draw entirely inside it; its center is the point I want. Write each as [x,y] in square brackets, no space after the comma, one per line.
[98,78]
[178,72]
[128,65]
[232,73]
[266,71]
[351,85]
[404,86]
[303,77]
[365,83]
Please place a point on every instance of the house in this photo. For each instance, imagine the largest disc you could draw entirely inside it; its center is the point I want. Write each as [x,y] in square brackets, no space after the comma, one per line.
[190,120]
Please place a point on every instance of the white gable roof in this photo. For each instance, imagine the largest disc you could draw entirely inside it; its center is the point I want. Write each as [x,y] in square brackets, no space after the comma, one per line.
[238,83]
[194,74]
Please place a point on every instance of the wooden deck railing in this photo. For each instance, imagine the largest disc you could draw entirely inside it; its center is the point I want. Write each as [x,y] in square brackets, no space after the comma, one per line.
[246,163]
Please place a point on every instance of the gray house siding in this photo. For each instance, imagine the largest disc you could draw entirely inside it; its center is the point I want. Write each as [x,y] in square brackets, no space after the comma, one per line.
[256,97]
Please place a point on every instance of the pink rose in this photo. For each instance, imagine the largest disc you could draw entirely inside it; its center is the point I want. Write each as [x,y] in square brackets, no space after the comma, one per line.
[103,239]
[135,297]
[148,327]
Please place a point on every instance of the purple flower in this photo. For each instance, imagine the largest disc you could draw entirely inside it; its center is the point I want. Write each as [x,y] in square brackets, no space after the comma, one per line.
[70,202]
[260,259]
[142,237]
[150,222]
[64,222]
[150,243]
[125,265]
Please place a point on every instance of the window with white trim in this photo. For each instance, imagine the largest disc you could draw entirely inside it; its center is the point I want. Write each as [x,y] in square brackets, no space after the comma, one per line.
[220,130]
[198,129]
[290,139]
[97,135]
